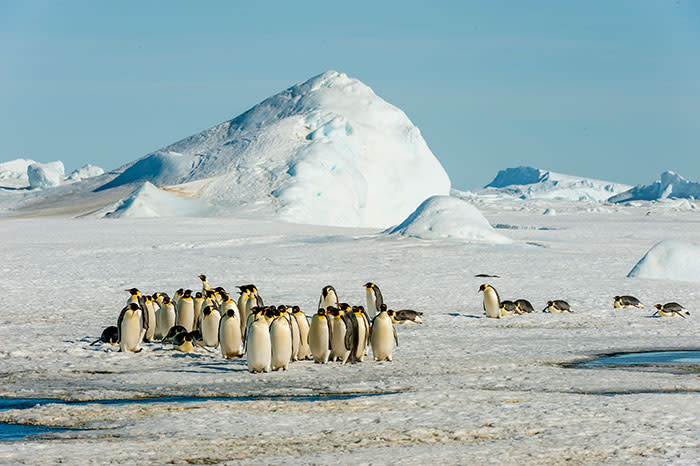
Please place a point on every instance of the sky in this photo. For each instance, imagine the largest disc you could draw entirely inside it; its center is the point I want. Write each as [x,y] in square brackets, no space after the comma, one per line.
[601,89]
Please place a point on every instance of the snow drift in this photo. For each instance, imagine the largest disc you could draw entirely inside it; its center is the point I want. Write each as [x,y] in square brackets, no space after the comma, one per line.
[150,201]
[326,151]
[533,183]
[45,175]
[670,260]
[669,185]
[445,217]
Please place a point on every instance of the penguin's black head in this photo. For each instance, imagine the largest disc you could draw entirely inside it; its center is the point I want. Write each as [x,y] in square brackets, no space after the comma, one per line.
[383,307]
[199,295]
[188,294]
[483,287]
[133,291]
[391,313]
[281,308]
[207,311]
[231,313]
[659,307]
[180,291]
[203,277]
[335,312]
[167,300]
[188,337]
[219,289]
[296,309]
[549,303]
[271,312]
[326,290]
[616,298]
[321,312]
[361,308]
[369,285]
[210,293]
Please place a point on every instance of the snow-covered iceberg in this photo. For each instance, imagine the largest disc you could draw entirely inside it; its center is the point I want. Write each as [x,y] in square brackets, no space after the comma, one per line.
[45,175]
[84,172]
[670,260]
[15,169]
[669,185]
[446,217]
[533,183]
[149,201]
[326,151]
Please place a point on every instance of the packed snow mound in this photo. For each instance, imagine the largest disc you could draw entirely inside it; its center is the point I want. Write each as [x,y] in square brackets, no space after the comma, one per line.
[327,151]
[670,260]
[533,183]
[45,175]
[446,217]
[150,201]
[86,171]
[670,185]
[15,169]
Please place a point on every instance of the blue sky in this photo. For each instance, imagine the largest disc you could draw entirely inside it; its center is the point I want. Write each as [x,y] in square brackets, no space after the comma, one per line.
[604,89]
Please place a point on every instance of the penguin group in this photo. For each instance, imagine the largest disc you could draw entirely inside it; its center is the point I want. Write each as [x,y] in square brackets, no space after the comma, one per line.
[270,337]
[495,308]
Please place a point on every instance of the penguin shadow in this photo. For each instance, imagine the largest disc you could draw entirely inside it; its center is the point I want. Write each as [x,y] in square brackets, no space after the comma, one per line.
[459,314]
[225,366]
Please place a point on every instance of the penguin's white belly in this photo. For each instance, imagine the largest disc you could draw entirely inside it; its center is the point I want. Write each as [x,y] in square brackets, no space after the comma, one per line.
[185,315]
[361,338]
[382,340]
[318,340]
[131,332]
[371,304]
[304,349]
[338,342]
[230,337]
[281,340]
[166,319]
[210,330]
[491,304]
[259,348]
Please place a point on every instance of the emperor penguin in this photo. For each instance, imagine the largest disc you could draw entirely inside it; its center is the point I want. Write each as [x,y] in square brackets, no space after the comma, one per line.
[287,311]
[492,302]
[342,335]
[523,306]
[320,337]
[198,302]
[230,334]
[281,341]
[150,317]
[185,311]
[374,299]
[174,331]
[404,316]
[132,326]
[303,324]
[210,327]
[329,297]
[383,337]
[259,345]
[184,342]
[368,326]
[243,306]
[625,302]
[134,296]
[205,283]
[362,332]
[158,297]
[178,296]
[671,310]
[508,308]
[166,318]
[557,306]
[109,335]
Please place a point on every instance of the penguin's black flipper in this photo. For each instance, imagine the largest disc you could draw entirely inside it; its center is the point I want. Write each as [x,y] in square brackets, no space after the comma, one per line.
[350,330]
[380,298]
[330,333]
[396,338]
[94,342]
[259,300]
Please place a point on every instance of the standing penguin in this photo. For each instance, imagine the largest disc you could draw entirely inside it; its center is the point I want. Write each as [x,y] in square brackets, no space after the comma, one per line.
[205,284]
[210,326]
[329,297]
[342,335]
[198,302]
[281,341]
[296,342]
[383,337]
[166,318]
[149,309]
[303,324]
[230,335]
[374,299]
[320,337]
[132,326]
[185,311]
[492,302]
[258,345]
[243,307]
[178,296]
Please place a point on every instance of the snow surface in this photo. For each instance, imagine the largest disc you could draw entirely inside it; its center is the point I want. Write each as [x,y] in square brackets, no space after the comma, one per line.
[84,172]
[669,185]
[471,390]
[327,151]
[15,169]
[45,175]
[534,183]
[445,217]
[150,201]
[670,260]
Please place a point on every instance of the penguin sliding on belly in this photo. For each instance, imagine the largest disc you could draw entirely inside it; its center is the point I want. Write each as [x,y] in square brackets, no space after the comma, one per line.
[671,310]
[557,306]
[625,302]
[109,335]
[492,302]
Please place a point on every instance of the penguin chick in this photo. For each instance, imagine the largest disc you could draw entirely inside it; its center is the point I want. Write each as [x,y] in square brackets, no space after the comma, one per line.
[557,306]
[671,310]
[625,302]
[492,302]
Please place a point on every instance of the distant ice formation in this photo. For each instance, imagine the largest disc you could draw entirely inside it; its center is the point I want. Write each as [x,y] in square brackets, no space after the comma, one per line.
[670,260]
[86,171]
[15,169]
[45,175]
[327,151]
[150,201]
[533,183]
[445,217]
[669,185]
